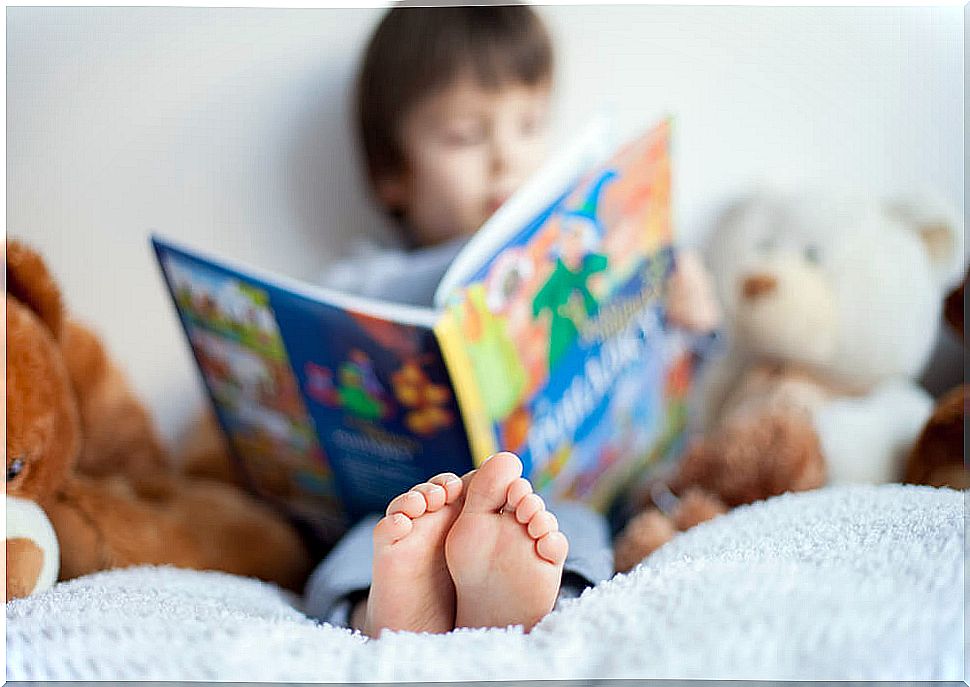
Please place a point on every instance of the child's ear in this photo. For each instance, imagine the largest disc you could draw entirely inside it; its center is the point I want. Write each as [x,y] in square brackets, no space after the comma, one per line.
[391,192]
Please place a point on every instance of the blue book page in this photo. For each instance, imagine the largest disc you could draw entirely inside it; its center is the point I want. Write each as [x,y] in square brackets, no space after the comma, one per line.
[330,410]
[575,368]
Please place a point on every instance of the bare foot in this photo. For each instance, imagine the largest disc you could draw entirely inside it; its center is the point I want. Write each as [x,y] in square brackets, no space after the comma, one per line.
[505,551]
[411,588]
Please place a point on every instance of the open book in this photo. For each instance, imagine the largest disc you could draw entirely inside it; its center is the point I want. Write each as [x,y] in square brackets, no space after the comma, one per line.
[547,338]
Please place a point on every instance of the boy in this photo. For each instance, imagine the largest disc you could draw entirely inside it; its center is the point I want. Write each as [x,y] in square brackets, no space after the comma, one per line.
[452,108]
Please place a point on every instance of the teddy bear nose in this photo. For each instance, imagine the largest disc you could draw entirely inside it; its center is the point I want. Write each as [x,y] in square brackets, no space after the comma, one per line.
[758,285]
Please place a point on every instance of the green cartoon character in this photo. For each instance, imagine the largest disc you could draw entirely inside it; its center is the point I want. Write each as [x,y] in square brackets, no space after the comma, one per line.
[566,294]
[353,396]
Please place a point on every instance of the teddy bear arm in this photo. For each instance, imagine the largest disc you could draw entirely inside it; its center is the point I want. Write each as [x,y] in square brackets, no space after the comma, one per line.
[753,458]
[937,456]
[643,535]
[106,523]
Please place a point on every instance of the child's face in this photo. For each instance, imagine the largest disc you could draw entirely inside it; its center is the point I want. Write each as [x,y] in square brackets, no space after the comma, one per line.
[467,150]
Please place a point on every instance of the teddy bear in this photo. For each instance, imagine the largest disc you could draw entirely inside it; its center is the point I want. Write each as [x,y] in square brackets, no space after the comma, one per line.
[831,303]
[937,457]
[89,485]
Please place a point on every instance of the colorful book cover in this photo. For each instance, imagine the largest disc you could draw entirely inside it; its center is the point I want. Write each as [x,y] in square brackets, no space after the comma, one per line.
[561,338]
[547,338]
[328,409]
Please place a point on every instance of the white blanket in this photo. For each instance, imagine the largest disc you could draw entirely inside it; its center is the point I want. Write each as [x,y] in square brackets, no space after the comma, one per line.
[844,583]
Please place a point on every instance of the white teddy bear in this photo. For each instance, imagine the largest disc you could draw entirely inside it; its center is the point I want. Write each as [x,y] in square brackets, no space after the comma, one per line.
[847,290]
[831,307]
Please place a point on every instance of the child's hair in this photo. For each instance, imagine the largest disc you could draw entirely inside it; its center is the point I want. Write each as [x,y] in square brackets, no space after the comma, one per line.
[417,51]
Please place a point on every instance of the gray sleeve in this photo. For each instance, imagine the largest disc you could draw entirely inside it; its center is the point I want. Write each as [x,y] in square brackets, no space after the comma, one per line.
[346,569]
[393,274]
[590,556]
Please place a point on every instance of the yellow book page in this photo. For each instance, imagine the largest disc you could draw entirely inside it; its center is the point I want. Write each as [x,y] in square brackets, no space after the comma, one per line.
[481,438]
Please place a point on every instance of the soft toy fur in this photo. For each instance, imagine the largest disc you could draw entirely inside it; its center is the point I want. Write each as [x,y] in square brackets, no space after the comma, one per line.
[831,305]
[937,458]
[83,456]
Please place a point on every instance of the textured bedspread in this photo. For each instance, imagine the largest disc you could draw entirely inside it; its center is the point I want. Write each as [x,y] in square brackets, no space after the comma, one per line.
[842,583]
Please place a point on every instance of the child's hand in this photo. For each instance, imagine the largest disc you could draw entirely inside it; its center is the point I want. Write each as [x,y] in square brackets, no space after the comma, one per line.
[691,303]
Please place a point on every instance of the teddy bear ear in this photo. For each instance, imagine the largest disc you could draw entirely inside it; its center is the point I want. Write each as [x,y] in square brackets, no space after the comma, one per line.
[30,282]
[940,228]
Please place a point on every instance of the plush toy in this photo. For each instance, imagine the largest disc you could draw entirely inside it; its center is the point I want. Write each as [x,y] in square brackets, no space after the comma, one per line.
[831,308]
[937,458]
[88,483]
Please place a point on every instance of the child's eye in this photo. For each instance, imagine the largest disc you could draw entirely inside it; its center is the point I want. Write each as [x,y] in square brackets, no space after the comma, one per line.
[464,137]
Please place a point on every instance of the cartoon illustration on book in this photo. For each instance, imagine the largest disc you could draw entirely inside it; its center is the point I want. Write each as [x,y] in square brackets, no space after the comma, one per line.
[566,295]
[495,361]
[426,401]
[320,384]
[359,390]
[238,346]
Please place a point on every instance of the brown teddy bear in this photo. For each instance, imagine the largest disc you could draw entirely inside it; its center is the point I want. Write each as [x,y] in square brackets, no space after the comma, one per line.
[832,304]
[89,486]
[937,458]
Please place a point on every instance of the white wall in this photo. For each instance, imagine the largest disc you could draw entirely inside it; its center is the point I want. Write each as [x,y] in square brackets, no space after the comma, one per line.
[227,128]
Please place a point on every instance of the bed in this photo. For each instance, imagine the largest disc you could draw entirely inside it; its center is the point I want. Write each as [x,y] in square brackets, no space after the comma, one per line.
[844,583]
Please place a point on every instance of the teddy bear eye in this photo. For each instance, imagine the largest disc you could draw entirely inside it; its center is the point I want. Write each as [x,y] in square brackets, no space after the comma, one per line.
[767,244]
[812,254]
[15,468]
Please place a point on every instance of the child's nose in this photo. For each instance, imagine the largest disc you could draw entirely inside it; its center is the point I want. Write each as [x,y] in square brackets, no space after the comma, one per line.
[503,155]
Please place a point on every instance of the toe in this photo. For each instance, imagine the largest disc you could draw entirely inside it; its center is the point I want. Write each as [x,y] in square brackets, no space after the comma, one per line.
[434,495]
[451,483]
[542,523]
[518,490]
[553,547]
[528,507]
[488,489]
[391,529]
[410,503]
